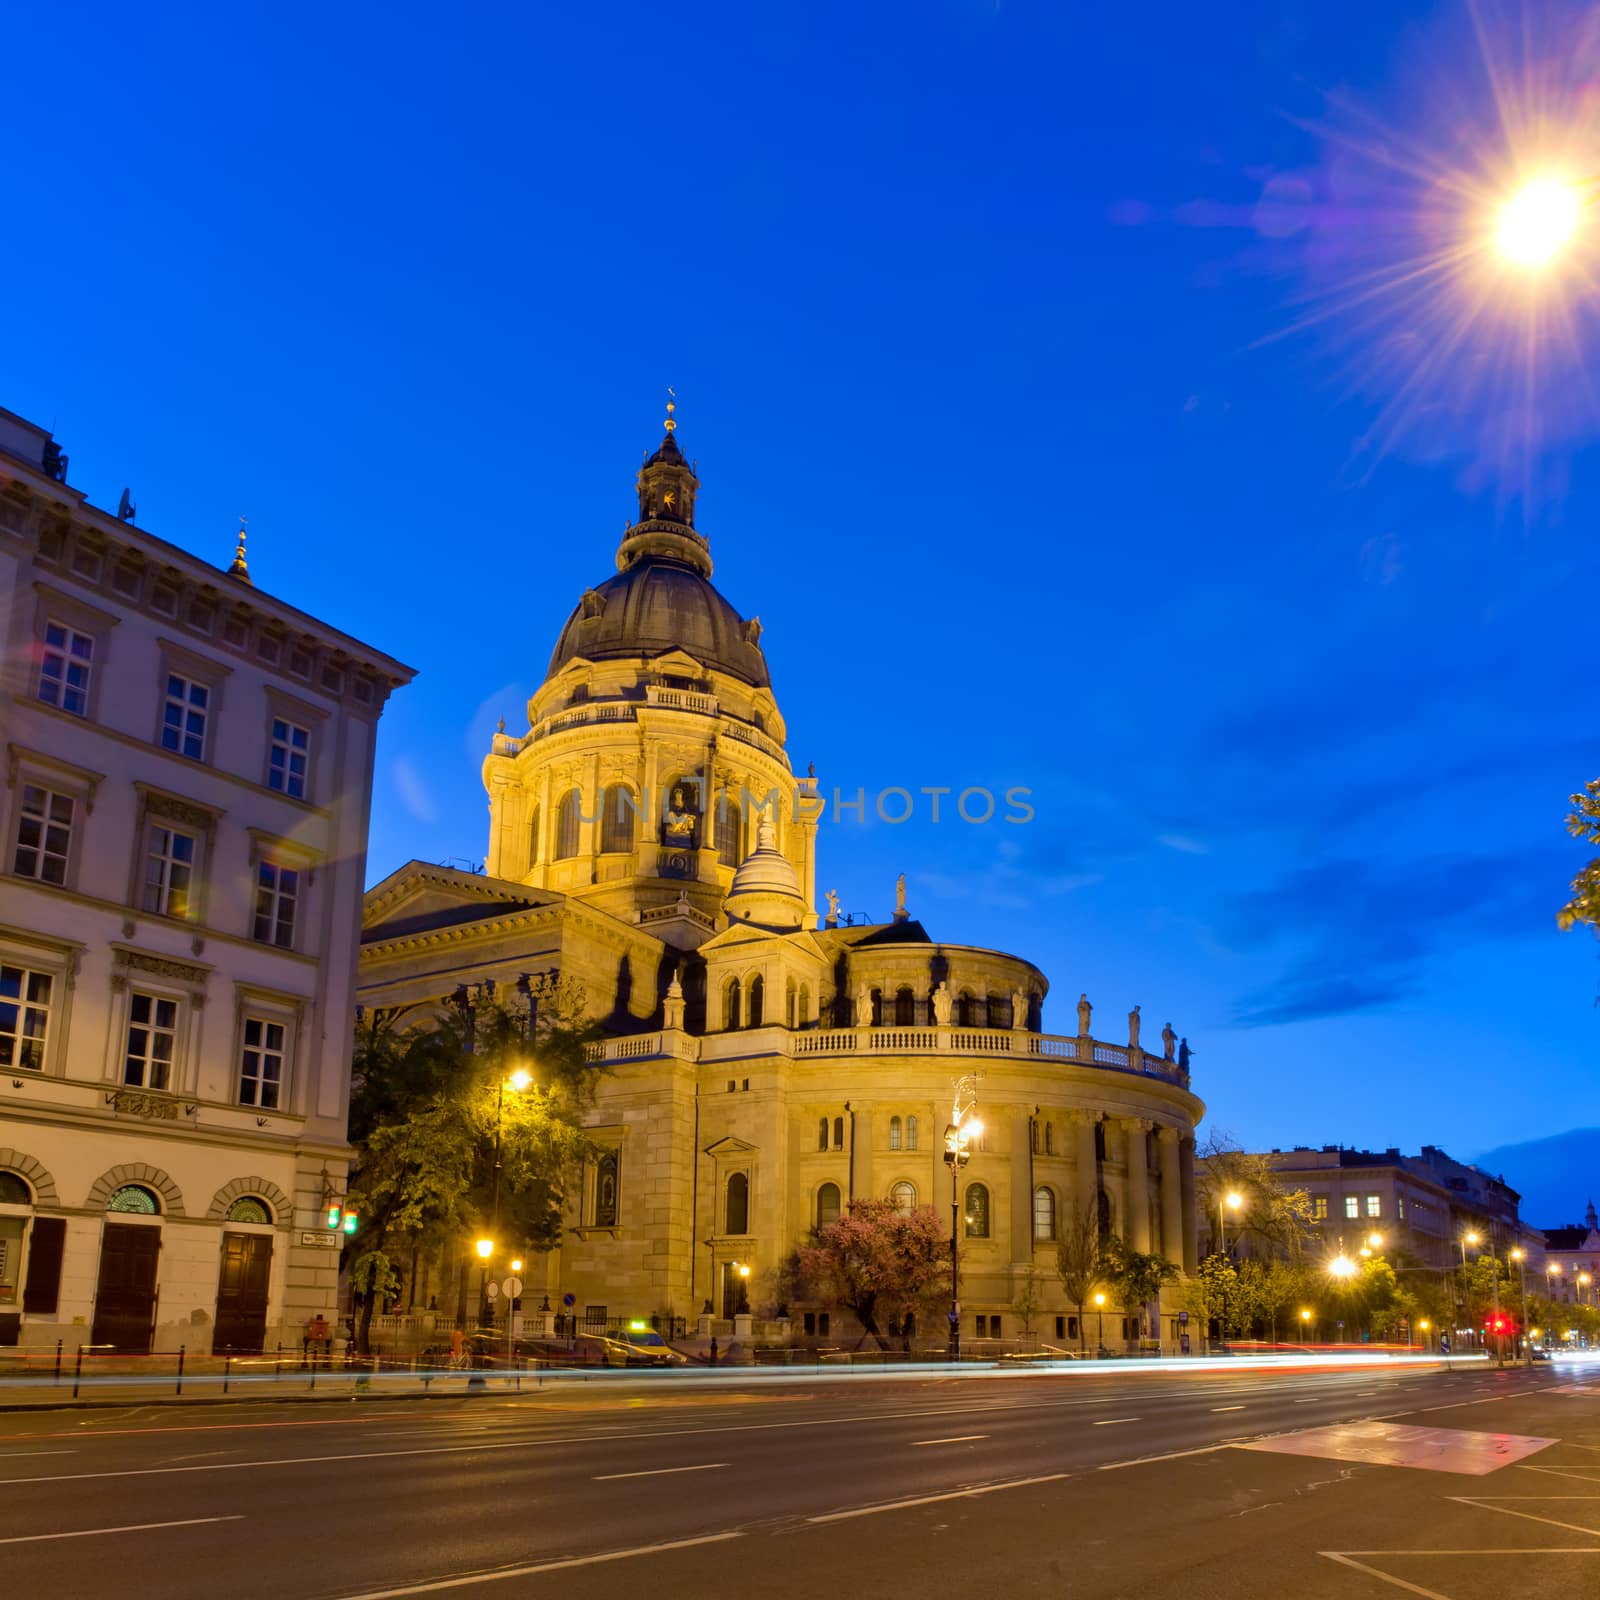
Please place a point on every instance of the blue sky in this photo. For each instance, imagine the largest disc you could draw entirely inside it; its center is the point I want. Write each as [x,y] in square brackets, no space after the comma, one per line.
[1039,414]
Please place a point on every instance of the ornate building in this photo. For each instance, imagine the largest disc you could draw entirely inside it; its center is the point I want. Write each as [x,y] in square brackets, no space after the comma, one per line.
[762,1067]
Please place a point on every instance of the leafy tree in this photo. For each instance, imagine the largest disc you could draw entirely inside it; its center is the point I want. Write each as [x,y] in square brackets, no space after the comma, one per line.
[1583,822]
[1215,1294]
[1274,1212]
[880,1262]
[1136,1276]
[1268,1287]
[1030,1298]
[1080,1261]
[428,1117]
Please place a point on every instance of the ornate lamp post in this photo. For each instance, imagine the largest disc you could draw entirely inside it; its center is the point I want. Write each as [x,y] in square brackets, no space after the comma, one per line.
[963,1128]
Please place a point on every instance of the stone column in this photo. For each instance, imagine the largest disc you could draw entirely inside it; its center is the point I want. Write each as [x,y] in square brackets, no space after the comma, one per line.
[1171,1197]
[1087,1178]
[1021,1192]
[1191,1250]
[1136,1212]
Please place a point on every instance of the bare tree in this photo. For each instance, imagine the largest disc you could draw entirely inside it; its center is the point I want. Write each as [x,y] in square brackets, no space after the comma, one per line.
[1080,1261]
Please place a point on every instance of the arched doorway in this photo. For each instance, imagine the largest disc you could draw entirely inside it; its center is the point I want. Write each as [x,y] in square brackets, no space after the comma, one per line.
[125,1290]
[245,1276]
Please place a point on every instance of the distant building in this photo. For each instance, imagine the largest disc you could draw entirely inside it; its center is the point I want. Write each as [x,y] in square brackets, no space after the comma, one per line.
[183,835]
[1571,1253]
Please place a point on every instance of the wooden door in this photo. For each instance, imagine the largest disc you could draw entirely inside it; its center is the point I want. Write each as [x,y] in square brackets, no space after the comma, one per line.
[242,1292]
[125,1296]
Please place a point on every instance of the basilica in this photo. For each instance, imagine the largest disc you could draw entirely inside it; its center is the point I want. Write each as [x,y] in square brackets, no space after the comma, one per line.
[763,1066]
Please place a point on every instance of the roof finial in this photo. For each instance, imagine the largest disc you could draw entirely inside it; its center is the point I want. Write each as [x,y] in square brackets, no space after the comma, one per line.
[671,407]
[240,569]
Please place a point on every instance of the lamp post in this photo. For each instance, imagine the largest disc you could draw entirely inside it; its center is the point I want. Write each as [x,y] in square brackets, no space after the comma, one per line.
[1099,1323]
[1422,1328]
[1232,1199]
[485,1249]
[1520,1256]
[963,1128]
[1584,1280]
[1305,1317]
[1469,1237]
[1342,1269]
[519,1080]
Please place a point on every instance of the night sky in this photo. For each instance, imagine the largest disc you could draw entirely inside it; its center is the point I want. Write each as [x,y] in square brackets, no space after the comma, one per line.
[1085,398]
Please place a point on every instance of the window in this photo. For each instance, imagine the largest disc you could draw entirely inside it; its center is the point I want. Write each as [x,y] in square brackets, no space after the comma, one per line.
[1044,1215]
[616,819]
[277,891]
[757,1001]
[904,1197]
[738,1203]
[964,1009]
[729,830]
[817,1324]
[64,667]
[1049,1138]
[1033,1135]
[169,871]
[44,834]
[1352,1207]
[152,1039]
[838,1133]
[827,1204]
[730,1003]
[248,1208]
[134,1198]
[261,1064]
[977,1211]
[895,1131]
[1374,1205]
[534,841]
[286,765]
[1400,1205]
[24,1017]
[805,1005]
[1099,1140]
[606,1174]
[183,721]
[567,826]
[822,1133]
[905,1008]
[911,1133]
[13,1191]
[1319,1208]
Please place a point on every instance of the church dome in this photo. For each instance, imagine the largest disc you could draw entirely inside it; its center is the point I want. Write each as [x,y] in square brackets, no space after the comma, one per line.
[655,605]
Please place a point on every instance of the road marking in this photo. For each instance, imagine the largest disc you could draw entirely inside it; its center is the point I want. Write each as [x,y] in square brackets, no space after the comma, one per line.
[1109,1422]
[1383,1577]
[960,1438]
[1171,1455]
[931,1499]
[130,1527]
[1316,1402]
[24,1454]
[1227,1408]
[656,1472]
[1488,1504]
[562,1564]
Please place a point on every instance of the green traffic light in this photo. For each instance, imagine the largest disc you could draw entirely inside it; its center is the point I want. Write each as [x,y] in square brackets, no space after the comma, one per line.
[351,1222]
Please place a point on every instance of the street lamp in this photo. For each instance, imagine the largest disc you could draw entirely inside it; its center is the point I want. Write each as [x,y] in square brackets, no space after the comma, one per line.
[963,1128]
[1305,1317]
[1520,1256]
[1584,1280]
[519,1080]
[1422,1328]
[1232,1200]
[1469,1237]
[1099,1323]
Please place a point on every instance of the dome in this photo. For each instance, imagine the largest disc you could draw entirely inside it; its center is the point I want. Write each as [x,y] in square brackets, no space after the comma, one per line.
[765,891]
[656,605]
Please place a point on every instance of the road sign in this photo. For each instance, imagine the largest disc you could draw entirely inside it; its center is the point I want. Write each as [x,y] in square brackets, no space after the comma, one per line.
[492,1290]
[569,1299]
[512,1288]
[1183,1316]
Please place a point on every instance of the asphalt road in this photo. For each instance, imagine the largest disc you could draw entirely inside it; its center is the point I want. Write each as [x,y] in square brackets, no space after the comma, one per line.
[1060,1483]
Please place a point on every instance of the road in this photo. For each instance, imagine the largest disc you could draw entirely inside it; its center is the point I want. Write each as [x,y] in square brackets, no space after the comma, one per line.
[1059,1483]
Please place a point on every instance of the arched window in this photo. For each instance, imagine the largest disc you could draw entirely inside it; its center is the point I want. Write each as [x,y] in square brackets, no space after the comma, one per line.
[788,1004]
[605,1191]
[904,1197]
[13,1191]
[822,1133]
[977,1211]
[905,1008]
[739,1203]
[838,1133]
[827,1204]
[1033,1134]
[894,1133]
[877,1008]
[730,1004]
[805,1005]
[535,843]
[136,1198]
[616,819]
[1044,1215]
[1102,1212]
[1100,1140]
[250,1208]
[964,1017]
[758,996]
[567,825]
[1049,1138]
[911,1133]
[729,831]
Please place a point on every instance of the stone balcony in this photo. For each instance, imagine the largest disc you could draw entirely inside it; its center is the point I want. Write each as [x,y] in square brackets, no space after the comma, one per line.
[746,1043]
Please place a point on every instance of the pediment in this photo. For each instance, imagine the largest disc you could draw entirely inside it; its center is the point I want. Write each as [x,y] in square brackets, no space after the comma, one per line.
[738,937]
[678,661]
[420,896]
[731,1146]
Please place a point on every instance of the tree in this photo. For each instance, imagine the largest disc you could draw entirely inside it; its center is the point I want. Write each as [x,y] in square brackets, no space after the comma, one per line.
[880,1262]
[1136,1276]
[428,1112]
[1030,1298]
[1583,822]
[1267,1287]
[1272,1211]
[1080,1261]
[1216,1296]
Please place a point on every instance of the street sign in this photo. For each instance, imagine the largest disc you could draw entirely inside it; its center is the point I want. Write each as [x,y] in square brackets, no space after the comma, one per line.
[492,1290]
[569,1299]
[512,1288]
[322,1241]
[1183,1316]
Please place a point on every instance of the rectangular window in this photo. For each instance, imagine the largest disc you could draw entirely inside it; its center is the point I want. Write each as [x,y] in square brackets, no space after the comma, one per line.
[1319,1208]
[1374,1205]
[1400,1206]
[64,667]
[152,1041]
[183,722]
[24,1017]
[44,834]
[169,872]
[1352,1207]
[261,1064]
[291,746]
[277,890]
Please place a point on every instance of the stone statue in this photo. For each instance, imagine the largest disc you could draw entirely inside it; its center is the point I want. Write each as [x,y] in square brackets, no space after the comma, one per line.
[942,1005]
[900,898]
[863,1005]
[1085,1011]
[1168,1040]
[1133,1029]
[681,813]
[1019,1009]
[1183,1054]
[833,908]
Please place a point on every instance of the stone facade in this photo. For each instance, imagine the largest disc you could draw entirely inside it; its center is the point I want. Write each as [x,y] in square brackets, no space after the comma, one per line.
[177,936]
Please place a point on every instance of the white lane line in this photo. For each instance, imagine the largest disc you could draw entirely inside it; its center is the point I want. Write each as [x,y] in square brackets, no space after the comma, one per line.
[130,1527]
[25,1454]
[1111,1422]
[1315,1402]
[1227,1408]
[562,1564]
[1171,1455]
[1488,1504]
[960,1438]
[656,1472]
[1345,1560]
[933,1499]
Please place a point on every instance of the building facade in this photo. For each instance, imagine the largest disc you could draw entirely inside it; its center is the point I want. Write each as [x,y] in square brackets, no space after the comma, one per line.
[183,835]
[764,1064]
[1571,1268]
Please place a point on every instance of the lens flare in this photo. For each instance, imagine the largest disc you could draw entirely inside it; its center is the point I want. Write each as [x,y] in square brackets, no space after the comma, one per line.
[1537,223]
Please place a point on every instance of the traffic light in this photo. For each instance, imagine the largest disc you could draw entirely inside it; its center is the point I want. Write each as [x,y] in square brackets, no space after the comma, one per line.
[351,1221]
[334,1213]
